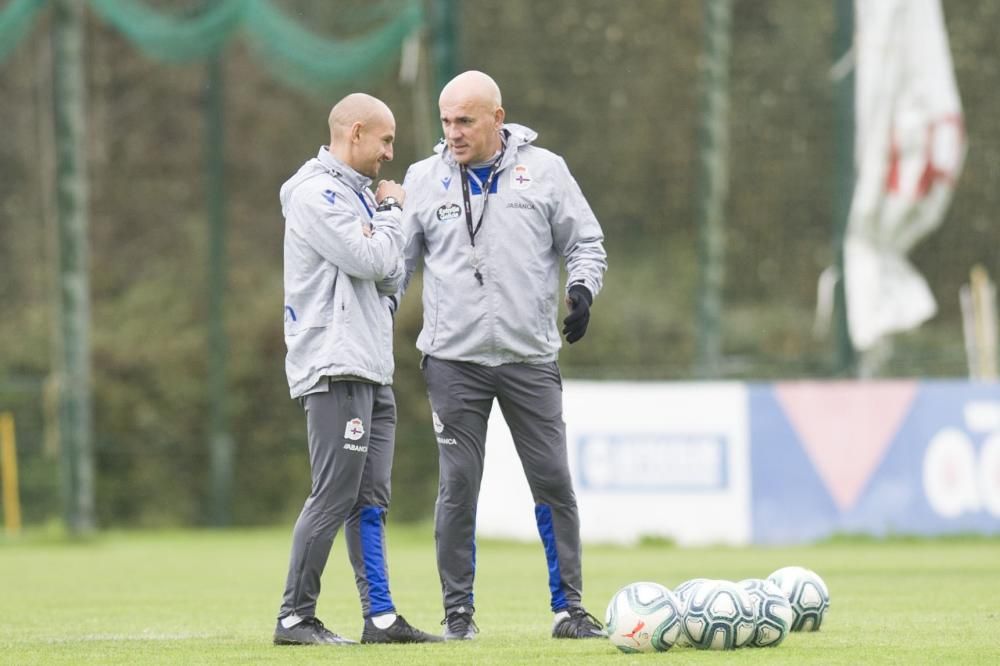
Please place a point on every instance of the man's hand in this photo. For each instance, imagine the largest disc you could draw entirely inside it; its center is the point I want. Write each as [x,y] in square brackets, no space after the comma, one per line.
[389,188]
[578,301]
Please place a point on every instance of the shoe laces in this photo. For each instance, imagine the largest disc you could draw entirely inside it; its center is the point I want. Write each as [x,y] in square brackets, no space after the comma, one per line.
[580,617]
[317,624]
[579,620]
[404,627]
[459,623]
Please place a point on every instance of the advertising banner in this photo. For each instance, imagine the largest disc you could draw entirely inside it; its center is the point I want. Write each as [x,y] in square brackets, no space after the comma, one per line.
[790,462]
[663,460]
[875,458]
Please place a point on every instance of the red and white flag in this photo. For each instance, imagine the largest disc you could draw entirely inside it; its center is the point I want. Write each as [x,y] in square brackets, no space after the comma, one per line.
[909,149]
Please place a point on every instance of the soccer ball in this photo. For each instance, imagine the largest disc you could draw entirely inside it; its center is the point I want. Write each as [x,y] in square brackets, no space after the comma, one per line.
[682,592]
[807,594]
[643,617]
[772,612]
[719,615]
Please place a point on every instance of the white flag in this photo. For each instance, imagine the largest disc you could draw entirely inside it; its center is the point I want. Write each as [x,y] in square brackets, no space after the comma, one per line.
[909,149]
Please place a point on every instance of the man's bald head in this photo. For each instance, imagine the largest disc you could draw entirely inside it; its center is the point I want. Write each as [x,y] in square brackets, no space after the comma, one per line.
[362,129]
[356,108]
[472,86]
[471,117]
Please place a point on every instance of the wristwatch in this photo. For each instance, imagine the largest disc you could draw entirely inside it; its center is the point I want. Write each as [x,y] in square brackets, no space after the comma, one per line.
[387,204]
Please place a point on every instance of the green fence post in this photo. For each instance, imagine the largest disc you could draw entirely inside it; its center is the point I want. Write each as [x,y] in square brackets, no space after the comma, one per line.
[75,418]
[444,35]
[713,184]
[843,37]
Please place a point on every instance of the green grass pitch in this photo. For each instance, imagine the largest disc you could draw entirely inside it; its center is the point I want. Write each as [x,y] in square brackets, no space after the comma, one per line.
[210,597]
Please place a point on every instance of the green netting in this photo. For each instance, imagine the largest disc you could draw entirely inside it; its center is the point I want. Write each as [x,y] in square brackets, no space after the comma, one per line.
[289,51]
[305,59]
[172,38]
[350,16]
[16,19]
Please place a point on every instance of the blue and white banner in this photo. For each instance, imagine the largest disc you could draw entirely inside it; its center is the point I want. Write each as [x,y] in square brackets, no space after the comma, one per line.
[790,462]
[876,458]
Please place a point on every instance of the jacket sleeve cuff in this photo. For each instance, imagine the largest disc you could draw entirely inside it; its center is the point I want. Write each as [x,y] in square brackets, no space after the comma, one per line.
[583,291]
[395,214]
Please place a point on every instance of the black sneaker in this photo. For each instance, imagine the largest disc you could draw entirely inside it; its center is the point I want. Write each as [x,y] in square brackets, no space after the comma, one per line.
[459,626]
[578,624]
[399,631]
[310,631]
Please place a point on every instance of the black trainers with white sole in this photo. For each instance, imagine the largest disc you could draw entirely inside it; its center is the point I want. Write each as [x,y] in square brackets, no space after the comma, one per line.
[577,623]
[459,626]
[399,631]
[308,631]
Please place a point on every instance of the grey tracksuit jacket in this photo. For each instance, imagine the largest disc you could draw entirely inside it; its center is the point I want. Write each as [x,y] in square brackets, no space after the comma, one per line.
[338,282]
[536,218]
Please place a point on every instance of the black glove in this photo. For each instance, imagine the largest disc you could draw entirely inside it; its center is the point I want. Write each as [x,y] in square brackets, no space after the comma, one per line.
[575,324]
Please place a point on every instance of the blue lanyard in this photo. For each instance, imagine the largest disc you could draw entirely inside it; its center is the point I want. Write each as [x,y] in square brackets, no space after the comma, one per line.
[365,204]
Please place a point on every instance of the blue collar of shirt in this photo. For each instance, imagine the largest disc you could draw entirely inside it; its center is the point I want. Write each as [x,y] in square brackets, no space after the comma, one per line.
[482,173]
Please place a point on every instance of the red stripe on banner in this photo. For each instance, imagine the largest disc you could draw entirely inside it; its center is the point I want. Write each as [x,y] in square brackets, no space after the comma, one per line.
[846,428]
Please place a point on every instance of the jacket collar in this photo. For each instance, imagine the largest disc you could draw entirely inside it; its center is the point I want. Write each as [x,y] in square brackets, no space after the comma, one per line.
[516,136]
[354,179]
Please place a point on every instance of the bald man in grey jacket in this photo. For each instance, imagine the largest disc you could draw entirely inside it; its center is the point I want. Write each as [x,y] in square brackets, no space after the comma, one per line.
[342,262]
[493,217]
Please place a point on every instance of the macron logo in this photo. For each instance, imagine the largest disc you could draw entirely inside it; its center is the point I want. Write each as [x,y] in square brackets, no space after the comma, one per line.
[360,448]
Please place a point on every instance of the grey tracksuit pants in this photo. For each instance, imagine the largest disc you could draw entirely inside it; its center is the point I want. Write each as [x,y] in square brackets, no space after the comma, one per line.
[351,430]
[530,398]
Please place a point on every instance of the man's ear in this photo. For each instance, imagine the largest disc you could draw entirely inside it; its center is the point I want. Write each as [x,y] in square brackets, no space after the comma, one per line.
[356,132]
[498,117]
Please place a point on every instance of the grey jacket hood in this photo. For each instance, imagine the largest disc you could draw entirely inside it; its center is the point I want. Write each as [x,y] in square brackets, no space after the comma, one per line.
[514,136]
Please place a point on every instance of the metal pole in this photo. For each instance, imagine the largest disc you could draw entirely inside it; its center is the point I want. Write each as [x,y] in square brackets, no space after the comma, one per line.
[73,360]
[444,33]
[8,475]
[220,440]
[713,186]
[844,358]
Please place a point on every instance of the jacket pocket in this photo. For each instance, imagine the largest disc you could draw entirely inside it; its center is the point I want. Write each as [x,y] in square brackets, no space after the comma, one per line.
[343,298]
[433,310]
[313,302]
[305,352]
[546,314]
